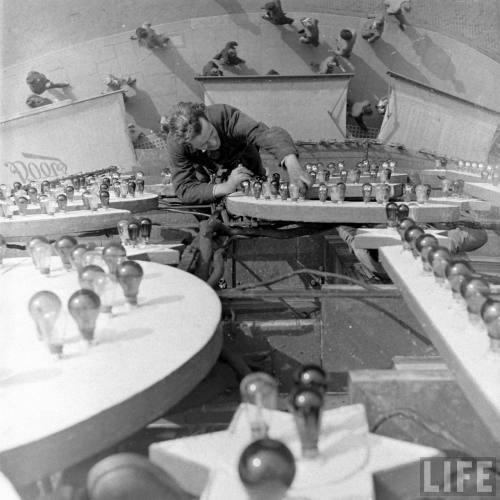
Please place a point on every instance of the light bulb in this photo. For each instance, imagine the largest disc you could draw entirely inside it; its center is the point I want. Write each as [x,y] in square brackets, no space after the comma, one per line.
[123,189]
[122,227]
[3,248]
[439,258]
[403,225]
[403,212]
[133,232]
[266,469]
[105,285]
[311,375]
[87,275]
[114,254]
[41,254]
[422,193]
[343,174]
[4,191]
[62,202]
[129,274]
[257,189]
[410,236]
[86,199]
[475,292]
[422,241]
[139,185]
[337,192]
[93,257]
[456,272]
[275,188]
[93,201]
[104,197]
[63,247]
[259,390]
[116,186]
[391,211]
[382,193]
[266,190]
[146,226]
[490,313]
[385,174]
[284,190]
[76,255]
[22,205]
[367,189]
[45,307]
[84,307]
[70,193]
[293,189]
[323,192]
[131,188]
[139,175]
[306,405]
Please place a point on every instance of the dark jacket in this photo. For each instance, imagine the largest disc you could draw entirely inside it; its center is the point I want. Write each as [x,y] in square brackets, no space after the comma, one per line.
[241,138]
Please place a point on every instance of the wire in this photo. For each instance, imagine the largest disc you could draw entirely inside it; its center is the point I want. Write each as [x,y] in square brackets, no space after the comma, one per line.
[313,272]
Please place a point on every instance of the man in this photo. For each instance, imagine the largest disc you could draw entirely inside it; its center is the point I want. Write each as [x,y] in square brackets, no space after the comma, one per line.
[211,69]
[204,139]
[359,110]
[345,44]
[310,31]
[274,13]
[228,55]
[39,83]
[373,29]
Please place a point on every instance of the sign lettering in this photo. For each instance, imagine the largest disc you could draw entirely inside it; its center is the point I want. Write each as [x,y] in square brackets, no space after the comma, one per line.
[36,167]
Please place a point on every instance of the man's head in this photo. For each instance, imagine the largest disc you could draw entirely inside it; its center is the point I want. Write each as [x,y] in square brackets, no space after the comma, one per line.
[189,125]
[346,34]
[32,77]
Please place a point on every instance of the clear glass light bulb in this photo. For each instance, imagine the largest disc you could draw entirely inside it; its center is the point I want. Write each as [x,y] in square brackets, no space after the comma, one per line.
[106,286]
[70,193]
[259,390]
[140,186]
[129,275]
[84,306]
[306,405]
[104,197]
[76,255]
[93,257]
[311,375]
[114,254]
[122,227]
[45,307]
[87,275]
[63,247]
[266,469]
[62,202]
[22,205]
[41,254]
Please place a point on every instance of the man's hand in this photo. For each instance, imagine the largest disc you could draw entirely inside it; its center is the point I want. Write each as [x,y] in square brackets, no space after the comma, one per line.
[236,177]
[295,171]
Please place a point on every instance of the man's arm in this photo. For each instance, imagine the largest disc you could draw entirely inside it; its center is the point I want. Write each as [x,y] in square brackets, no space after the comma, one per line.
[275,140]
[188,188]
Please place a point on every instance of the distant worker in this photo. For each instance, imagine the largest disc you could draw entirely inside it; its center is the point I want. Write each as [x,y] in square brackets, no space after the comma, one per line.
[39,83]
[373,28]
[272,72]
[310,32]
[329,65]
[358,111]
[212,69]
[381,105]
[206,142]
[345,44]
[395,8]
[147,37]
[228,55]
[35,101]
[274,13]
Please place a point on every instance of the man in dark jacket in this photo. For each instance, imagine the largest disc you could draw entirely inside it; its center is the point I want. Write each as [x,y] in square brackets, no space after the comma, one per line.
[39,83]
[202,140]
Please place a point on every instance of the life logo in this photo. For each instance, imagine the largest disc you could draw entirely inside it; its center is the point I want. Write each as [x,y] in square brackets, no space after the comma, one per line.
[35,167]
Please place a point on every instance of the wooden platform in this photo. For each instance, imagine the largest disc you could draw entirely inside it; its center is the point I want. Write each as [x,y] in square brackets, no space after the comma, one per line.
[354,212]
[463,345]
[374,237]
[22,228]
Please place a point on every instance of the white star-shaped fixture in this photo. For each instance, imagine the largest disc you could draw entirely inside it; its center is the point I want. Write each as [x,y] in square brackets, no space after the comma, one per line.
[207,465]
